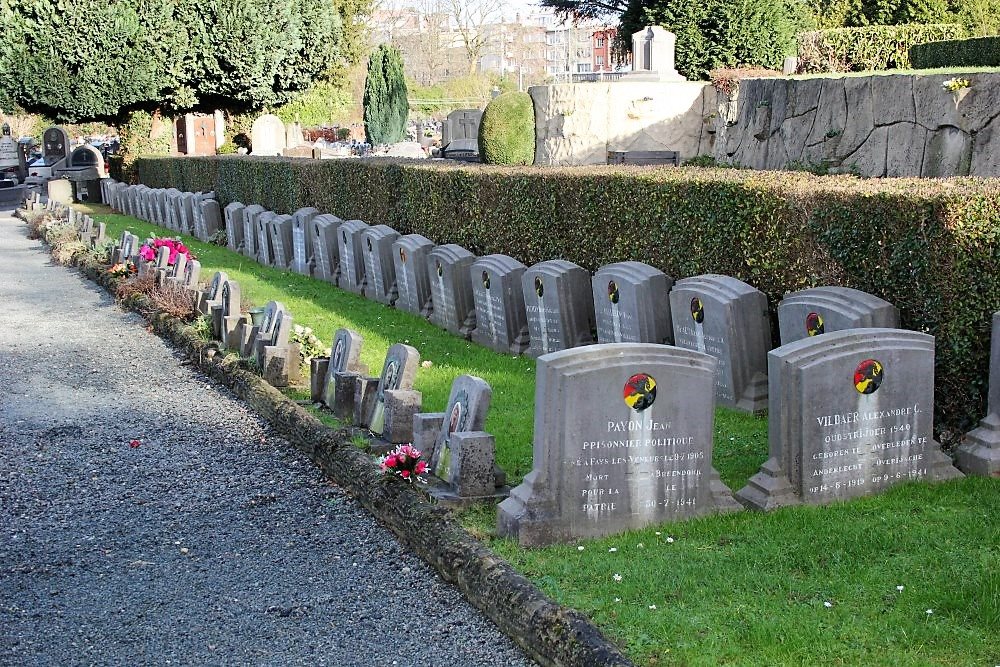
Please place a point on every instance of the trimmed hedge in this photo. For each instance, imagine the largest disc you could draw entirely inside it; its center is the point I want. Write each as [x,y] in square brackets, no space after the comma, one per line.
[876,47]
[975,52]
[931,247]
[507,130]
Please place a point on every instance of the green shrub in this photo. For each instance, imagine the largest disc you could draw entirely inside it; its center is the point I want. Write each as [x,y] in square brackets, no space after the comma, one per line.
[507,130]
[227,148]
[928,246]
[385,105]
[876,47]
[978,52]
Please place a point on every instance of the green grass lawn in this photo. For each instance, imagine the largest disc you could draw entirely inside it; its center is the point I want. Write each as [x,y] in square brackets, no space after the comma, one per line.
[799,586]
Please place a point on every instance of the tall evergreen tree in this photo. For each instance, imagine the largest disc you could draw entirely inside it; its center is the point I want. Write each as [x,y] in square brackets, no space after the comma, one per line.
[385,105]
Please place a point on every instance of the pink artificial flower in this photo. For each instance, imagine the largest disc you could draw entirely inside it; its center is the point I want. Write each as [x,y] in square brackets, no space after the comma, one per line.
[173,257]
[421,468]
[147,253]
[391,462]
[404,474]
[157,243]
[181,248]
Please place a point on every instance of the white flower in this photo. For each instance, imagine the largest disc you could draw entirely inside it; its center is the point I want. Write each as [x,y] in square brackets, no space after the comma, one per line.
[640,545]
[653,607]
[929,612]
[670,540]
[298,329]
[900,588]
[580,548]
[658,533]
[307,330]
[618,599]
[827,604]
[617,577]
[612,550]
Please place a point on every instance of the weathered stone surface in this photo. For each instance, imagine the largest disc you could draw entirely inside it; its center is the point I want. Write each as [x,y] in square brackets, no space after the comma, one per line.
[501,320]
[819,310]
[409,255]
[904,149]
[302,240]
[398,372]
[345,357]
[350,236]
[326,251]
[559,302]
[631,304]
[451,289]
[986,151]
[948,152]
[234,226]
[376,250]
[250,236]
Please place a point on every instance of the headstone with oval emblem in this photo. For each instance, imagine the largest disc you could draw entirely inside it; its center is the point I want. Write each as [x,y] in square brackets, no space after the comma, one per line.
[623,440]
[326,251]
[212,296]
[186,209]
[250,239]
[819,310]
[279,359]
[728,319]
[376,248]
[345,365]
[211,218]
[302,240]
[280,229]
[851,414]
[352,261]
[449,271]
[501,320]
[631,304]
[231,315]
[559,303]
[409,254]
[234,226]
[262,236]
[375,411]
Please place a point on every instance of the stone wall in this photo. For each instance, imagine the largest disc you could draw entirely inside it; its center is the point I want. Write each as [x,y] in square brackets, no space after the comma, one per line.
[889,125]
[577,124]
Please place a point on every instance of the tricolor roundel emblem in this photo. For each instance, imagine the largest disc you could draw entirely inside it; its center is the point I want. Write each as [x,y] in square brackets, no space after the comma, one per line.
[640,391]
[868,376]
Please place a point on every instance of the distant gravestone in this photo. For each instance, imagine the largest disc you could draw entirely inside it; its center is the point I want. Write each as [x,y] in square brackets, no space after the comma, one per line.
[448,269]
[376,248]
[280,230]
[409,254]
[352,262]
[211,218]
[818,310]
[559,303]
[501,321]
[851,413]
[267,135]
[250,237]
[979,453]
[623,440]
[460,133]
[302,240]
[653,56]
[173,206]
[234,226]
[326,251]
[186,213]
[231,315]
[631,304]
[345,357]
[212,296]
[728,319]
[398,372]
[192,272]
[262,235]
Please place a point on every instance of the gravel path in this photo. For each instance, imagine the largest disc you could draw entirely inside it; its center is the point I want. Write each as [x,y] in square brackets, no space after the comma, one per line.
[213,542]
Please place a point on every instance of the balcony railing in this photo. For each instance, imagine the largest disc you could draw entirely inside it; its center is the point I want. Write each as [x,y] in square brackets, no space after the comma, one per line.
[597,77]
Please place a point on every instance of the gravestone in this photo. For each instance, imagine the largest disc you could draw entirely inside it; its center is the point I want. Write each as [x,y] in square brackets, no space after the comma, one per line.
[302,240]
[345,358]
[326,251]
[267,135]
[559,303]
[211,218]
[186,209]
[376,247]
[623,440]
[449,271]
[631,304]
[279,359]
[250,239]
[979,453]
[653,56]
[262,235]
[460,133]
[398,373]
[727,319]
[280,229]
[501,320]
[160,215]
[230,315]
[818,310]
[851,413]
[212,296]
[461,454]
[409,255]
[192,272]
[173,217]
[234,226]
[352,263]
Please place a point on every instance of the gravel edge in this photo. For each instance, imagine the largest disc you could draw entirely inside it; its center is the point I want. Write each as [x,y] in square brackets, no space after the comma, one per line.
[549,632]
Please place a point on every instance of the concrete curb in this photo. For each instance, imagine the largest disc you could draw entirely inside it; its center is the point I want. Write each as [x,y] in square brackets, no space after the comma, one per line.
[550,633]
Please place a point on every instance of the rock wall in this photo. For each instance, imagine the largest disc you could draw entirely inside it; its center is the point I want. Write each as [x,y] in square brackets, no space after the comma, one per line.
[892,125]
[577,124]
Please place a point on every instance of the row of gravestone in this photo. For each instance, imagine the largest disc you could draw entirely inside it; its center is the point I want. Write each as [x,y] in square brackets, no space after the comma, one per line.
[193,213]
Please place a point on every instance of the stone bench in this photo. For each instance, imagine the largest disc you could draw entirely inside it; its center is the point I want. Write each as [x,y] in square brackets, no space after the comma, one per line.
[672,158]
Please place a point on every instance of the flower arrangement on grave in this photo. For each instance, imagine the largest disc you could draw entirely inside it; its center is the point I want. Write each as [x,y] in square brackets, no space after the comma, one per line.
[405,462]
[152,246]
[309,345]
[123,269]
[955,84]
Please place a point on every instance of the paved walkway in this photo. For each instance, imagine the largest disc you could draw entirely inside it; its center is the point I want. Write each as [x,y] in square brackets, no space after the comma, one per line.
[212,542]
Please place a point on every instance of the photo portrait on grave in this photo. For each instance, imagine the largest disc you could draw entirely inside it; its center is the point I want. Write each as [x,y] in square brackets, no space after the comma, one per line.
[697,310]
[456,423]
[338,354]
[814,324]
[640,391]
[613,292]
[486,280]
[868,376]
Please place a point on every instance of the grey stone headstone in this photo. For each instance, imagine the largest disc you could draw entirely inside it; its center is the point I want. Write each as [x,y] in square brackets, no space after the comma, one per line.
[409,255]
[326,251]
[212,296]
[461,124]
[819,310]
[623,440]
[234,226]
[250,215]
[280,229]
[501,320]
[179,266]
[468,406]
[727,319]
[173,202]
[192,272]
[230,300]
[345,357]
[302,240]
[851,413]
[631,304]
[380,270]
[352,263]
[211,218]
[979,453]
[559,301]
[187,214]
[398,372]
[262,235]
[449,271]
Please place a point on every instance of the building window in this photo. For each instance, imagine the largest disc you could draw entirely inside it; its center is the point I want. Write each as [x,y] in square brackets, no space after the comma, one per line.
[582,67]
[600,42]
[600,61]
